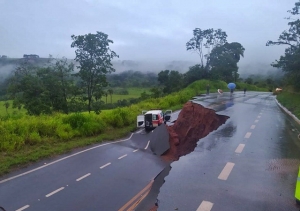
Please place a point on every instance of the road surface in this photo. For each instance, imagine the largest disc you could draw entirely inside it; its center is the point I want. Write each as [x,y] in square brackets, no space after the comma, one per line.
[249,163]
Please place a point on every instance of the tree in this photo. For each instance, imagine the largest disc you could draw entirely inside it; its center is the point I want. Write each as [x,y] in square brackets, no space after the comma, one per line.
[172,81]
[223,61]
[196,72]
[6,104]
[290,62]
[94,57]
[110,92]
[205,38]
[42,89]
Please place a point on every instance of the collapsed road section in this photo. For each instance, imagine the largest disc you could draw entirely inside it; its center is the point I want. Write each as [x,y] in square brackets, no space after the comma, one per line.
[171,142]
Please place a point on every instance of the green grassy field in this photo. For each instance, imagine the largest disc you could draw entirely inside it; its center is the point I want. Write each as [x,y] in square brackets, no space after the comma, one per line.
[133,93]
[10,109]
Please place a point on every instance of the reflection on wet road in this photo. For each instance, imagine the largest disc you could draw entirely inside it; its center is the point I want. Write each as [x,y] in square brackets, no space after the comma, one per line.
[249,163]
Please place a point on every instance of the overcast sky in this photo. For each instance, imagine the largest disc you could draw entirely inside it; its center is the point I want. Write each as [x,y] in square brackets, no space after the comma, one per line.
[153,30]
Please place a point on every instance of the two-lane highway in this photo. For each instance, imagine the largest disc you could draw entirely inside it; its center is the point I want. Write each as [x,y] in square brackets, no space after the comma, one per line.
[103,177]
[249,163]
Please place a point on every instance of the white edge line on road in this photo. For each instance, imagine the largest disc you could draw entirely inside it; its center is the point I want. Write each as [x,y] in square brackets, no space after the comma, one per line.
[80,178]
[23,208]
[205,206]
[226,171]
[248,134]
[33,170]
[147,144]
[240,148]
[122,156]
[139,131]
[135,150]
[105,165]
[54,192]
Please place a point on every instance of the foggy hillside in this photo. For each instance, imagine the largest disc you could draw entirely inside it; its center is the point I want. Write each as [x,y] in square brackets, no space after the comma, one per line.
[7,66]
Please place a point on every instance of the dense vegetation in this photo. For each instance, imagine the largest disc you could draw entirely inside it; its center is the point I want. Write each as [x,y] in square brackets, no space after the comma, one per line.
[33,137]
[290,61]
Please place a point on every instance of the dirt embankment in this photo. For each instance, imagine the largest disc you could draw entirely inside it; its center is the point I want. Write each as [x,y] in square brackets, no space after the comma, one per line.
[193,123]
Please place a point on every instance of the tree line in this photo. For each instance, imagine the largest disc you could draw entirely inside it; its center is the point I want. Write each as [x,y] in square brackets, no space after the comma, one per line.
[56,87]
[289,63]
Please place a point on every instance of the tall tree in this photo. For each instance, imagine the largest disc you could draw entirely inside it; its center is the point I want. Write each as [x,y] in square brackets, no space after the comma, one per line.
[205,38]
[223,61]
[290,62]
[110,92]
[94,57]
[172,81]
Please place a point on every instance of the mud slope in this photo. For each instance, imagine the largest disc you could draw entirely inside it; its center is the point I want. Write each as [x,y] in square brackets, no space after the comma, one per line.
[194,122]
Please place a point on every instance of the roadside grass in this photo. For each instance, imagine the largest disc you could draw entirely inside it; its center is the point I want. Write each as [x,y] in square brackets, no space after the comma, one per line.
[30,139]
[291,101]
[13,160]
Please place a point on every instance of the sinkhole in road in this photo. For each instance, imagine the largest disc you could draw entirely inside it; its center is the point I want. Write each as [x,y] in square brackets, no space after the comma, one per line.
[193,123]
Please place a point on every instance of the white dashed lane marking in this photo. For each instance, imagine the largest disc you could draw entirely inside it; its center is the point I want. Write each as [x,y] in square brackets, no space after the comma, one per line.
[240,148]
[252,127]
[135,150]
[247,135]
[256,121]
[122,156]
[80,178]
[23,208]
[226,171]
[54,192]
[205,206]
[105,165]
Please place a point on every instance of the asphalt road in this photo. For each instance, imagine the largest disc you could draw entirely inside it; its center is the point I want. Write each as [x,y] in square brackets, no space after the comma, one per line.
[249,163]
[102,177]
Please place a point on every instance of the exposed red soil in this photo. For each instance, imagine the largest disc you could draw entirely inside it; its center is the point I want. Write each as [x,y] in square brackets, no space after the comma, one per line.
[193,123]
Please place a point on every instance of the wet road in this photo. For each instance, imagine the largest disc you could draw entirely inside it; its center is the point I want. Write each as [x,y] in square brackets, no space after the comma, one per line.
[249,163]
[103,177]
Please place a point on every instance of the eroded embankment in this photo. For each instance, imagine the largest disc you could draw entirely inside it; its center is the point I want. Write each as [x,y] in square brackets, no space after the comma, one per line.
[193,123]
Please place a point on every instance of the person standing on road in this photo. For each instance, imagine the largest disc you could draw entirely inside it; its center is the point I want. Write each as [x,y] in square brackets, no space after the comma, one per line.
[245,89]
[207,89]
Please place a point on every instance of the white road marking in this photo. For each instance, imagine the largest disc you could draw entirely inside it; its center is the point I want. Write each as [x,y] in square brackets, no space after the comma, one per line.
[247,135]
[252,126]
[23,208]
[54,192]
[80,178]
[33,170]
[105,165]
[205,206]
[135,150]
[139,131]
[260,113]
[226,171]
[258,116]
[122,156]
[147,144]
[256,121]
[240,148]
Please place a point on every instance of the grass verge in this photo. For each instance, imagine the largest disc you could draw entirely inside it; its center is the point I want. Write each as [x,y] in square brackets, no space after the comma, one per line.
[291,101]
[29,154]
